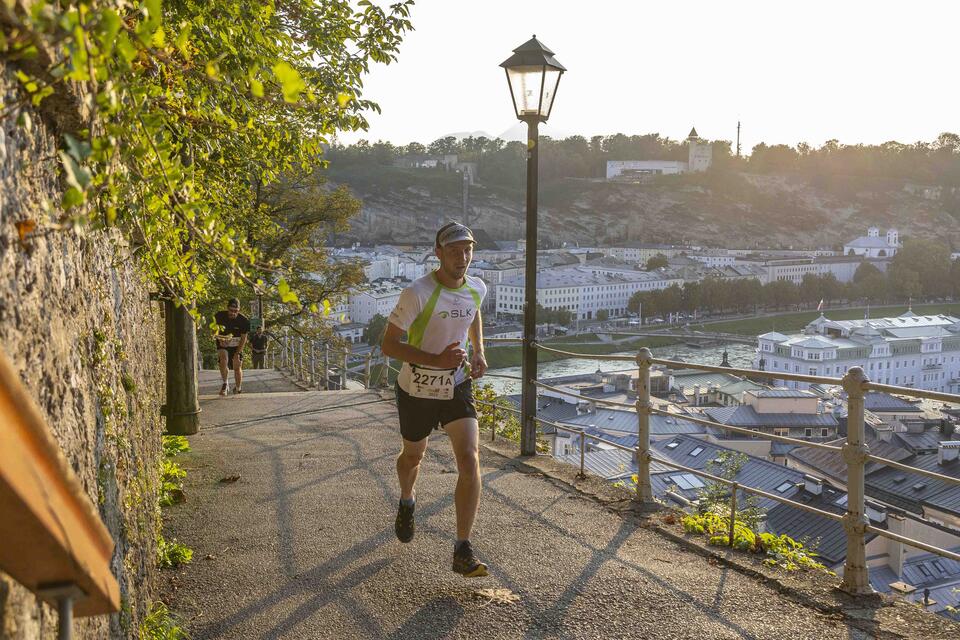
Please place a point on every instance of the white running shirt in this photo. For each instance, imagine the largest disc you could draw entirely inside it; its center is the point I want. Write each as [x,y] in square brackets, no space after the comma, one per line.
[435,316]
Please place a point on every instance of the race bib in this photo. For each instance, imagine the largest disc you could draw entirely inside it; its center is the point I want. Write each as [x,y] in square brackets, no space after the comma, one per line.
[433,384]
[229,341]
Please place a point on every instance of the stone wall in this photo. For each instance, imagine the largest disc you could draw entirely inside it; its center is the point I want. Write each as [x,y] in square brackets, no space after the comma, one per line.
[76,322]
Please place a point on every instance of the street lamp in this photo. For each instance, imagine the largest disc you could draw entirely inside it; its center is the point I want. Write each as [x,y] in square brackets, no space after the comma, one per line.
[533,75]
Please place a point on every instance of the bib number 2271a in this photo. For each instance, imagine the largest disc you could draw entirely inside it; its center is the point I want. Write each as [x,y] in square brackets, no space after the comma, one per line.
[433,384]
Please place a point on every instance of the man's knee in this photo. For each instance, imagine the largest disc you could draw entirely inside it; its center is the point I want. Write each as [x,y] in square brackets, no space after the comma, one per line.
[410,457]
[468,461]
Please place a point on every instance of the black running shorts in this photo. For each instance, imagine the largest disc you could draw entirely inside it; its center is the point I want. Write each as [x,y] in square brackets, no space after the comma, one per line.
[420,416]
[231,351]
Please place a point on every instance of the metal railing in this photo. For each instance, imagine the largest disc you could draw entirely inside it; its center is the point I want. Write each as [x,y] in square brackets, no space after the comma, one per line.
[317,365]
[854,451]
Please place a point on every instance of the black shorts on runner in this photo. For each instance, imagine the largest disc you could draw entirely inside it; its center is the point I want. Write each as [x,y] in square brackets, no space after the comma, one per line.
[420,416]
[231,351]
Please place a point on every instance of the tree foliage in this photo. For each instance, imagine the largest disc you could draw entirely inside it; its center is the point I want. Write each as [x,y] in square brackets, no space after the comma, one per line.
[188,110]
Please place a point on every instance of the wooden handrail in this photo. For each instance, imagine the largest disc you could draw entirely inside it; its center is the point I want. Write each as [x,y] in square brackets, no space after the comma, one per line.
[51,531]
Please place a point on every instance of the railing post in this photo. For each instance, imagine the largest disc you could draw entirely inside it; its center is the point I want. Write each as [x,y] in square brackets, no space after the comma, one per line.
[343,379]
[855,576]
[366,380]
[326,367]
[733,510]
[300,368]
[313,364]
[644,491]
[583,448]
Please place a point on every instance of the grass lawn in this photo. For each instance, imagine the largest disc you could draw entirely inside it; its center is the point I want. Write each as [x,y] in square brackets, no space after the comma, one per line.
[792,322]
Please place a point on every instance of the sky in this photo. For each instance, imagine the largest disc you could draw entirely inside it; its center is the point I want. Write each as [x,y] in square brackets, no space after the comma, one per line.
[789,71]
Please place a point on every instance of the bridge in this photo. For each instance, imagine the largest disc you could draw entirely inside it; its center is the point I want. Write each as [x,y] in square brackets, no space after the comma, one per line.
[301,545]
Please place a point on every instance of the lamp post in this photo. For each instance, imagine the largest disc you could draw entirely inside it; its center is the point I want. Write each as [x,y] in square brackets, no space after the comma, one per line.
[533,75]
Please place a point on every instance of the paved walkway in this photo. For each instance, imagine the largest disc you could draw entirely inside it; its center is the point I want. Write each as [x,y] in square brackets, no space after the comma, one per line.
[254,381]
[302,546]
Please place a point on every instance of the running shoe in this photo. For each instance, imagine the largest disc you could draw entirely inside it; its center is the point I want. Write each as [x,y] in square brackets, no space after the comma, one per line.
[404,524]
[237,391]
[466,564]
[223,389]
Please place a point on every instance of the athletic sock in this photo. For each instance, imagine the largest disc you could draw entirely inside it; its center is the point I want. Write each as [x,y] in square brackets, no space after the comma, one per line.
[459,543]
[408,502]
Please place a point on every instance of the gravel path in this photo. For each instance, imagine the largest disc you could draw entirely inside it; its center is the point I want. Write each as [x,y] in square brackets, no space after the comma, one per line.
[302,546]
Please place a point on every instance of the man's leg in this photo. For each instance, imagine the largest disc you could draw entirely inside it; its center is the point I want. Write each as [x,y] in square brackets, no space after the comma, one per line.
[222,361]
[237,369]
[408,466]
[464,437]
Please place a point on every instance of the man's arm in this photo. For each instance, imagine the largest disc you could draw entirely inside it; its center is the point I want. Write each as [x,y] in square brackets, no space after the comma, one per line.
[478,362]
[450,358]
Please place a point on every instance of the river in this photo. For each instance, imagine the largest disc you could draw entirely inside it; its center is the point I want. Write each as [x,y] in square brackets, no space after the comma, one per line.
[739,355]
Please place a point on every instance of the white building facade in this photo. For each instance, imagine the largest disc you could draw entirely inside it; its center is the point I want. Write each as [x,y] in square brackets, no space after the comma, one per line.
[873,245]
[908,350]
[583,291]
[379,299]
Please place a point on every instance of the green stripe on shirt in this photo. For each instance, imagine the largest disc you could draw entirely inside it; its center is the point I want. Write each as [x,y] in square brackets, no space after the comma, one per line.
[419,324]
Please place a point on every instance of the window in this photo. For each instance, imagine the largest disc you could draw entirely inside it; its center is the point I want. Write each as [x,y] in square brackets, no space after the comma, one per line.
[938,566]
[784,487]
[673,445]
[924,570]
[808,432]
[696,452]
[781,431]
[687,481]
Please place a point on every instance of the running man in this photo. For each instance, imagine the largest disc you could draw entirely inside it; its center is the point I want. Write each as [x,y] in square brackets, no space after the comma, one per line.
[439,312]
[231,337]
[258,346]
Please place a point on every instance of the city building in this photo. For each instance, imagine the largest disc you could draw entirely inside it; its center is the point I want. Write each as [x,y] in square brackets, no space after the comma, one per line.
[873,245]
[699,159]
[640,252]
[584,291]
[380,298]
[843,268]
[907,350]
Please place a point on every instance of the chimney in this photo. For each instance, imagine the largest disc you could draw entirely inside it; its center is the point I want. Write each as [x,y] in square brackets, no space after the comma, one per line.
[812,485]
[696,395]
[884,432]
[875,511]
[896,551]
[948,451]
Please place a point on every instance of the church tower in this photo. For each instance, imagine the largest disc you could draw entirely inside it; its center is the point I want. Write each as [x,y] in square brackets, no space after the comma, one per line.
[700,154]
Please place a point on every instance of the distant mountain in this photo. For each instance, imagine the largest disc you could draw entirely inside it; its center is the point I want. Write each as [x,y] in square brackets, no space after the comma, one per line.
[462,135]
[518,132]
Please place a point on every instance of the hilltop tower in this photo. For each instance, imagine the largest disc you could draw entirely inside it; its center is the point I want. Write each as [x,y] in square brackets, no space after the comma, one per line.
[893,238]
[700,154]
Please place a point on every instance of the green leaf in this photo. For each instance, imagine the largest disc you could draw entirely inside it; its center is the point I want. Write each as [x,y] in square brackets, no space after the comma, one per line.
[286,295]
[110,20]
[126,48]
[290,81]
[79,151]
[72,198]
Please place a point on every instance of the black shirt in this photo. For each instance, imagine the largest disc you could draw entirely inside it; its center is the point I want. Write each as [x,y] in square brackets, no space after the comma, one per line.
[235,327]
[259,342]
